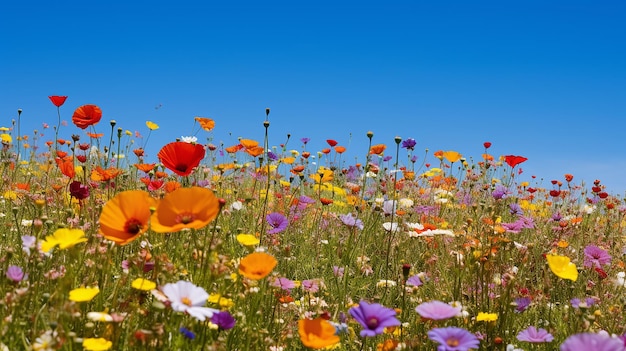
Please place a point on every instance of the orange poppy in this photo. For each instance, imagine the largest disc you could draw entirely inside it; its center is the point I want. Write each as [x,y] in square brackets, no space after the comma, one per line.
[193,207]
[255,151]
[257,265]
[66,165]
[145,167]
[160,174]
[139,152]
[206,123]
[317,333]
[438,154]
[452,156]
[326,150]
[234,148]
[22,186]
[86,115]
[125,217]
[180,157]
[104,175]
[95,135]
[340,149]
[171,186]
[326,201]
[306,154]
[249,143]
[377,149]
[297,169]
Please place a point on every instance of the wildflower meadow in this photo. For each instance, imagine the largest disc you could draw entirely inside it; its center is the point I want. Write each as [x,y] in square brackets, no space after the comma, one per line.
[266,246]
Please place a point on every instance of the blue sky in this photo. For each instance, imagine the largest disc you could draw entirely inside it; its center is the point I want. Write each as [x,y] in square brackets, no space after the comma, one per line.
[545,80]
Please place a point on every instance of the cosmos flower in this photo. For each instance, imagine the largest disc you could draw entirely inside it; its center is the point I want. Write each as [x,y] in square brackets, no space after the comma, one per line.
[374,318]
[224,320]
[86,115]
[592,341]
[180,157]
[186,297]
[277,221]
[257,265]
[534,335]
[193,207]
[317,333]
[437,310]
[15,274]
[125,217]
[596,257]
[351,221]
[453,339]
[409,144]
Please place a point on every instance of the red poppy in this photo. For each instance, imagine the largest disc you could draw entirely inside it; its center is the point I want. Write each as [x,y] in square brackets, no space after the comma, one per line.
[513,161]
[487,144]
[58,101]
[331,142]
[86,115]
[180,157]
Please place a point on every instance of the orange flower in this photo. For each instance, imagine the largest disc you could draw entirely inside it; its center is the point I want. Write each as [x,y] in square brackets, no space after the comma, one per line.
[317,333]
[180,157]
[139,152]
[125,217]
[249,143]
[206,123]
[104,175]
[234,148]
[377,149]
[193,207]
[452,156]
[160,174]
[171,186]
[438,154]
[95,135]
[66,165]
[326,201]
[86,115]
[297,169]
[145,167]
[257,265]
[255,151]
[340,149]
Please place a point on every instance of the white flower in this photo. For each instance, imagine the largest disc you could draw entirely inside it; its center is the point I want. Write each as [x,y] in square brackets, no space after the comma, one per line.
[27,222]
[433,232]
[188,139]
[589,209]
[186,297]
[621,279]
[386,283]
[390,227]
[237,206]
[405,203]
[99,317]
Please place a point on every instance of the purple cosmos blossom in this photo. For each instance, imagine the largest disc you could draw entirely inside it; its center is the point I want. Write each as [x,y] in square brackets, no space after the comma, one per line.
[522,304]
[338,271]
[28,242]
[15,274]
[556,217]
[534,335]
[414,281]
[272,156]
[437,310]
[387,158]
[351,221]
[374,318]
[277,221]
[78,190]
[453,339]
[310,285]
[284,283]
[224,320]
[592,341]
[500,192]
[389,206]
[409,144]
[515,209]
[596,257]
[414,159]
[305,140]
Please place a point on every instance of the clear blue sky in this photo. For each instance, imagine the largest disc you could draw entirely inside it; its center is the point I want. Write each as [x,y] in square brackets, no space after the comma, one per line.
[541,79]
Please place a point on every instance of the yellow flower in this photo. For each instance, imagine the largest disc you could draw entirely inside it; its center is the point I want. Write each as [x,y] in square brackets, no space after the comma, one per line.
[486,317]
[143,284]
[99,317]
[323,175]
[63,237]
[83,294]
[152,125]
[452,156]
[562,267]
[6,138]
[4,129]
[96,344]
[248,240]
[10,194]
[221,301]
[128,132]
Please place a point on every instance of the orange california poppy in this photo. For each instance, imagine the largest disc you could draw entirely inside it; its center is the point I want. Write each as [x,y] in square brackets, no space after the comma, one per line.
[206,123]
[100,174]
[438,154]
[172,185]
[340,149]
[249,143]
[234,148]
[66,165]
[326,150]
[257,265]
[255,151]
[297,169]
[145,167]
[377,149]
[22,186]
[125,217]
[193,207]
[139,152]
[180,157]
[160,174]
[86,115]
[95,135]
[452,156]
[317,333]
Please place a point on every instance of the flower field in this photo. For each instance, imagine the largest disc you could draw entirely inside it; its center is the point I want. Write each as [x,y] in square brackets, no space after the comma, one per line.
[257,246]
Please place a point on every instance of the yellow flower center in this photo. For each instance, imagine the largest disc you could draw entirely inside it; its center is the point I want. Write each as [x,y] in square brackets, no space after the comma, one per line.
[186,301]
[184,218]
[452,342]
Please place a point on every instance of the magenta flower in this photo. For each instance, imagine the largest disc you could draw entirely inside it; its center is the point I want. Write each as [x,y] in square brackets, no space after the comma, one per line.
[15,274]
[592,341]
[78,190]
[596,257]
[310,285]
[437,310]
[284,283]
[351,221]
[374,318]
[277,221]
[534,335]
[224,320]
[453,339]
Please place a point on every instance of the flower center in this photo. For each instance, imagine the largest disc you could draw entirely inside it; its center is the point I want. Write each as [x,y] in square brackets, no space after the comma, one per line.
[452,342]
[185,300]
[181,167]
[372,323]
[132,226]
[184,218]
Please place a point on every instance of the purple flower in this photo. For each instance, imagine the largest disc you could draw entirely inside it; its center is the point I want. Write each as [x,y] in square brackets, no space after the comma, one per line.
[409,144]
[453,339]
[387,158]
[437,310]
[305,140]
[277,221]
[414,281]
[596,257]
[187,333]
[338,271]
[310,285]
[374,318]
[531,334]
[500,192]
[28,242]
[272,156]
[522,304]
[515,209]
[15,274]
[224,320]
[592,341]
[284,283]
[78,190]
[351,221]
